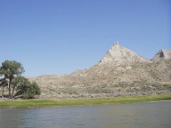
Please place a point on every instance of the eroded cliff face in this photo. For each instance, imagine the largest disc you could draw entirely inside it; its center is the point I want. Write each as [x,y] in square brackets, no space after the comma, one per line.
[162,54]
[119,72]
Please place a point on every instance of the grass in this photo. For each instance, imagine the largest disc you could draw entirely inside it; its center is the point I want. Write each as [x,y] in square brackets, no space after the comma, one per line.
[81,102]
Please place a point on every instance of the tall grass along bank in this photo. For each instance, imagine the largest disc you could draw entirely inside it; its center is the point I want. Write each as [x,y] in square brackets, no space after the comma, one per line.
[81,101]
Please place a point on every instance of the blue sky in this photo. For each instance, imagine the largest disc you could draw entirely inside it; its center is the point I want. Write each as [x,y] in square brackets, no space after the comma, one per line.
[61,36]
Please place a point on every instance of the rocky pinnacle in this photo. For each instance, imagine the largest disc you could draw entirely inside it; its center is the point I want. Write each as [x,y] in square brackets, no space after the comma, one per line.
[118,55]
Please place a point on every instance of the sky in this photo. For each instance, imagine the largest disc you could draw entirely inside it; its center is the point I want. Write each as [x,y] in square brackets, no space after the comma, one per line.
[50,37]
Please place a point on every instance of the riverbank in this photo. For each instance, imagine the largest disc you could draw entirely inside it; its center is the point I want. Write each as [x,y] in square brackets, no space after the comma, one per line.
[81,101]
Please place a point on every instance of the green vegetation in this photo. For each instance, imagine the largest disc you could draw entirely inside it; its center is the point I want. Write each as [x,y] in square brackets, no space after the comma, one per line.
[16,84]
[28,90]
[10,69]
[80,102]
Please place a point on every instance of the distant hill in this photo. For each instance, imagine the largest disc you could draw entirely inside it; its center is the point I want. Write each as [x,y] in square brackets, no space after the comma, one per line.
[162,54]
[119,72]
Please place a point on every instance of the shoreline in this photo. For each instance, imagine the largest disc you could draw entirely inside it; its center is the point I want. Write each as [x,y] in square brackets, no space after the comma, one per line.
[51,103]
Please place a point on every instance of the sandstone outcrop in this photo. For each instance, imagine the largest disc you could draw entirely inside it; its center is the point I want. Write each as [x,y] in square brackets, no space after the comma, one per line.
[162,54]
[119,55]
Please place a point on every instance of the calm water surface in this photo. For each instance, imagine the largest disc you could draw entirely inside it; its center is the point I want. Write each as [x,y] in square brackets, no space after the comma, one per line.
[140,115]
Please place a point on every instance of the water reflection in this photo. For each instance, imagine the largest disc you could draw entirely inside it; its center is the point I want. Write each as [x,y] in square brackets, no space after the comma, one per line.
[154,114]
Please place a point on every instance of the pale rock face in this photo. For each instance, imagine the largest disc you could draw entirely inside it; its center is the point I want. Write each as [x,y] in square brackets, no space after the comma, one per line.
[162,54]
[118,55]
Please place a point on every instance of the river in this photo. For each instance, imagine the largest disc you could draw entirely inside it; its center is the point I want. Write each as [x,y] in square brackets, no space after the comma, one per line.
[138,115]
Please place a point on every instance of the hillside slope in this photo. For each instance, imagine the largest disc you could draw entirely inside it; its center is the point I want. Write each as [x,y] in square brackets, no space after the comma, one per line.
[119,72]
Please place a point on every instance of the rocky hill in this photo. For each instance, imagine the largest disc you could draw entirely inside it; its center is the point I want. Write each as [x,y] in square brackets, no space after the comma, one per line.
[119,55]
[162,54]
[119,72]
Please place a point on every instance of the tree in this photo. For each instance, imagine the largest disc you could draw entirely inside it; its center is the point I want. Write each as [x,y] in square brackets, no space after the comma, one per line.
[17,81]
[3,83]
[10,69]
[20,86]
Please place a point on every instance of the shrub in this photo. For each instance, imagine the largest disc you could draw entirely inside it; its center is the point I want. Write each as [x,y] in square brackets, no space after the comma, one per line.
[28,90]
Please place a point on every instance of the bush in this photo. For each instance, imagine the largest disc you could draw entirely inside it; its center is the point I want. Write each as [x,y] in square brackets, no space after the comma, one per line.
[31,91]
[28,90]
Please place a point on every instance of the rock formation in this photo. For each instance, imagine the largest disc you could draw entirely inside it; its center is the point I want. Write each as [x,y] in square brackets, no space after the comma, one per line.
[119,55]
[162,54]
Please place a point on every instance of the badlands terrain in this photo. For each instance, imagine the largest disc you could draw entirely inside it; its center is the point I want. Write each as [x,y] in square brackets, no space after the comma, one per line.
[120,72]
